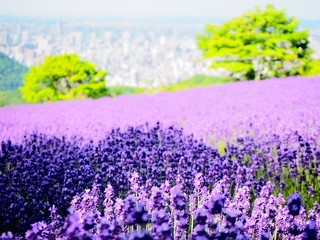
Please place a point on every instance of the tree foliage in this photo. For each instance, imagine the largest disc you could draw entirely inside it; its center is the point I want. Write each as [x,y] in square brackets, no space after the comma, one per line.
[10,73]
[63,77]
[257,45]
[10,97]
[313,68]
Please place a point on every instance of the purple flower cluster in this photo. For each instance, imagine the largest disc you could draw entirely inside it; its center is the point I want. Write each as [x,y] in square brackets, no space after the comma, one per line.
[249,168]
[218,217]
[43,171]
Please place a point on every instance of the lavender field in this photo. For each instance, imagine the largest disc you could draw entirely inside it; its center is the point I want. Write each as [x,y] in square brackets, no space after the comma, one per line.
[236,161]
[219,112]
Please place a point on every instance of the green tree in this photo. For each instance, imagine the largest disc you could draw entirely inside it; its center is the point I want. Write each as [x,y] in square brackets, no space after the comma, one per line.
[313,68]
[257,45]
[63,77]
[10,73]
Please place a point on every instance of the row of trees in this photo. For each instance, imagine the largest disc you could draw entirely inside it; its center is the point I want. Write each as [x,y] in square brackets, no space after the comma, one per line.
[257,45]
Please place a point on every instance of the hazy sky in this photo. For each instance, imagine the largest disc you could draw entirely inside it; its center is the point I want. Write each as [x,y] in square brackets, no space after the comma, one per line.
[302,9]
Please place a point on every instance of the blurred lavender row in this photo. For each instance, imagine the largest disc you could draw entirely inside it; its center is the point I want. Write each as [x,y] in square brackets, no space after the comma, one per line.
[212,113]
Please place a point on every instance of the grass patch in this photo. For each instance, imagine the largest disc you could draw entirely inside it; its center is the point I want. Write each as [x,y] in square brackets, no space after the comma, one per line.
[196,81]
[10,97]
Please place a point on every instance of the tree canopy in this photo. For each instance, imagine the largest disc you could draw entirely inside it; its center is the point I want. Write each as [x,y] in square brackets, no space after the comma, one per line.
[10,73]
[257,45]
[63,77]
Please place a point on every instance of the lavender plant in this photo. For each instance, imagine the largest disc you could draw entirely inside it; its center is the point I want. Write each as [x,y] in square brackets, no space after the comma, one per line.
[218,218]
[245,150]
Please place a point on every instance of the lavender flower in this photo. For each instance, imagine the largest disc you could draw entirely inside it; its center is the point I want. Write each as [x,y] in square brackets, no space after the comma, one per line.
[216,204]
[311,231]
[294,204]
[263,155]
[108,202]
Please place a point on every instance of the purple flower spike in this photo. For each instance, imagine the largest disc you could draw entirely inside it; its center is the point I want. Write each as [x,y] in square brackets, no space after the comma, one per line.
[141,215]
[294,204]
[310,232]
[141,235]
[6,236]
[294,229]
[264,235]
[216,204]
[230,217]
[201,216]
[178,199]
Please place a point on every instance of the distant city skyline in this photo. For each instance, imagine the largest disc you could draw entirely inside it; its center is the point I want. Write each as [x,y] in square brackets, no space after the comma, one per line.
[143,47]
[306,10]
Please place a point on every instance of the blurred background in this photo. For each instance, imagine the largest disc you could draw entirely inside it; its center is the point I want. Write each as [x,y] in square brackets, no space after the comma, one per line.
[143,45]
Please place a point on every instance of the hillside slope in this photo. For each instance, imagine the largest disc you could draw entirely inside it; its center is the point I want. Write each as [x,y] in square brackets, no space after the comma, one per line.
[212,113]
[10,73]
